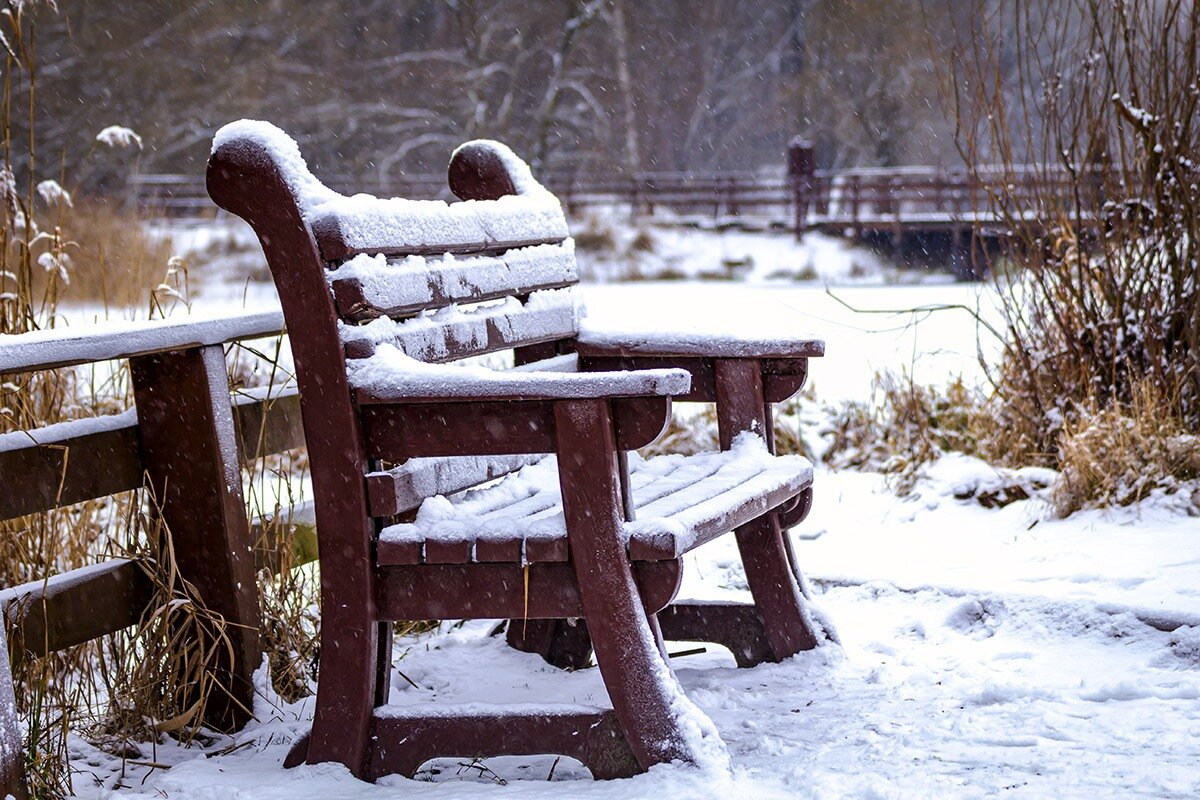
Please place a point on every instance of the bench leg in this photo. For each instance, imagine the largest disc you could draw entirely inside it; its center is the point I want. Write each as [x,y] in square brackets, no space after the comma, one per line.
[560,643]
[355,662]
[647,698]
[766,555]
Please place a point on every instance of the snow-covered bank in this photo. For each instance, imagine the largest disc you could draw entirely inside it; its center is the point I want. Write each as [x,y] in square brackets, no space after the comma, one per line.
[1024,680]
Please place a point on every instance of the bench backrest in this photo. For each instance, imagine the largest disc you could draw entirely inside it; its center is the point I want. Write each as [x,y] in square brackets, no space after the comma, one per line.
[503,258]
[439,281]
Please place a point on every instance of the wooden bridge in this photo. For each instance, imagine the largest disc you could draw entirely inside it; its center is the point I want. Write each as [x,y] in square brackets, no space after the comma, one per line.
[935,212]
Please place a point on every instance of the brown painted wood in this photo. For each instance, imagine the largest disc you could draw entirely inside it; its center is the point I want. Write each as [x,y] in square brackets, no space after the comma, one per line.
[189,446]
[81,460]
[640,685]
[12,750]
[781,377]
[405,487]
[464,281]
[268,425]
[483,427]
[718,347]
[64,347]
[777,597]
[592,736]
[75,607]
[562,643]
[63,467]
[665,545]
[736,626]
[799,512]
[457,339]
[478,427]
[244,179]
[491,591]
[475,172]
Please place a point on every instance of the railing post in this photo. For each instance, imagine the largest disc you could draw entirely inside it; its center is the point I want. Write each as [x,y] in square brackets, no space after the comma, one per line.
[12,754]
[855,202]
[190,450]
[801,166]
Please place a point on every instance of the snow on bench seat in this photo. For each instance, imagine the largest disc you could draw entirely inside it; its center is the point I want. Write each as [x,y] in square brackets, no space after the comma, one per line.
[681,502]
[372,286]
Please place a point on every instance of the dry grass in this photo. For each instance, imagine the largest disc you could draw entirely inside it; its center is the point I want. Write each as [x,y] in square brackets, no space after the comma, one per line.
[1117,455]
[904,426]
[113,260]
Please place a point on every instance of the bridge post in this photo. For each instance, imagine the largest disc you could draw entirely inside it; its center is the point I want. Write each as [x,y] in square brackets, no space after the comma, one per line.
[960,261]
[802,165]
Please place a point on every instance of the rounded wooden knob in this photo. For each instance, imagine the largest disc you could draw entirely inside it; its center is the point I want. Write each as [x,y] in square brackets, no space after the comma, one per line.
[477,172]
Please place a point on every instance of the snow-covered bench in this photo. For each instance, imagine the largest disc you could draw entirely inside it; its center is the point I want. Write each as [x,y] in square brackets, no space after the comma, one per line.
[383,299]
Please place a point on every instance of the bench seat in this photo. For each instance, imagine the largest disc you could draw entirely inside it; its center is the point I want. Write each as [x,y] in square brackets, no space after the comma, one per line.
[681,502]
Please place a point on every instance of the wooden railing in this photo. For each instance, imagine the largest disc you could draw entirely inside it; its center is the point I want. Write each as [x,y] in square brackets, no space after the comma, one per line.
[857,199]
[186,441]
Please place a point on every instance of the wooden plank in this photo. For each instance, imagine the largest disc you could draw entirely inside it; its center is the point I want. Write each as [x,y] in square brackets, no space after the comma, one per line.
[75,607]
[331,240]
[63,347]
[472,334]
[12,751]
[494,591]
[68,463]
[189,447]
[397,431]
[268,421]
[72,462]
[399,290]
[477,428]
[782,377]
[405,487]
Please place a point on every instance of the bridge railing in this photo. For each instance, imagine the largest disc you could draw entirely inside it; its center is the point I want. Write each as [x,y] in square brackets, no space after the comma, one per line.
[854,198]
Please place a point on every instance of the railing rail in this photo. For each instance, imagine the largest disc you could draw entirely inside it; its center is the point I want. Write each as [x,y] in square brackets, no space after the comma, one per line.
[827,197]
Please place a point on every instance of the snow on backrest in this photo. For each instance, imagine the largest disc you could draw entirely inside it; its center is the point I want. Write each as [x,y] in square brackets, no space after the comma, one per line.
[438,280]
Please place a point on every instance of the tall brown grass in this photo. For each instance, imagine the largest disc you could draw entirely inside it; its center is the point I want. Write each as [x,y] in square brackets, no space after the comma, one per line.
[153,680]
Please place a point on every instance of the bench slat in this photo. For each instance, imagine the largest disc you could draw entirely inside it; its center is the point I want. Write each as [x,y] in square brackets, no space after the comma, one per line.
[682,503]
[405,487]
[348,226]
[366,287]
[466,334]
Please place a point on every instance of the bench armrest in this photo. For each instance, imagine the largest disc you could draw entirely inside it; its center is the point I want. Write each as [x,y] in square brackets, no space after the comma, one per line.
[730,342]
[389,376]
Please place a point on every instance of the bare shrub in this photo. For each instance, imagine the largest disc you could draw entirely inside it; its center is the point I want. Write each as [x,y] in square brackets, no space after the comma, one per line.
[1102,97]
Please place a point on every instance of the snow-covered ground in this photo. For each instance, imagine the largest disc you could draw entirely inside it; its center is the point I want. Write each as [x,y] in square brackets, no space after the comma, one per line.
[983,651]
[982,654]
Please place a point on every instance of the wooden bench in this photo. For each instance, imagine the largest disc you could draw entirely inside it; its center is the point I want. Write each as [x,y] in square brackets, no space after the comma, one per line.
[379,297]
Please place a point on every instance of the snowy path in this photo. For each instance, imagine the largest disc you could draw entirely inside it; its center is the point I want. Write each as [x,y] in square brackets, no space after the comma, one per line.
[1000,688]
